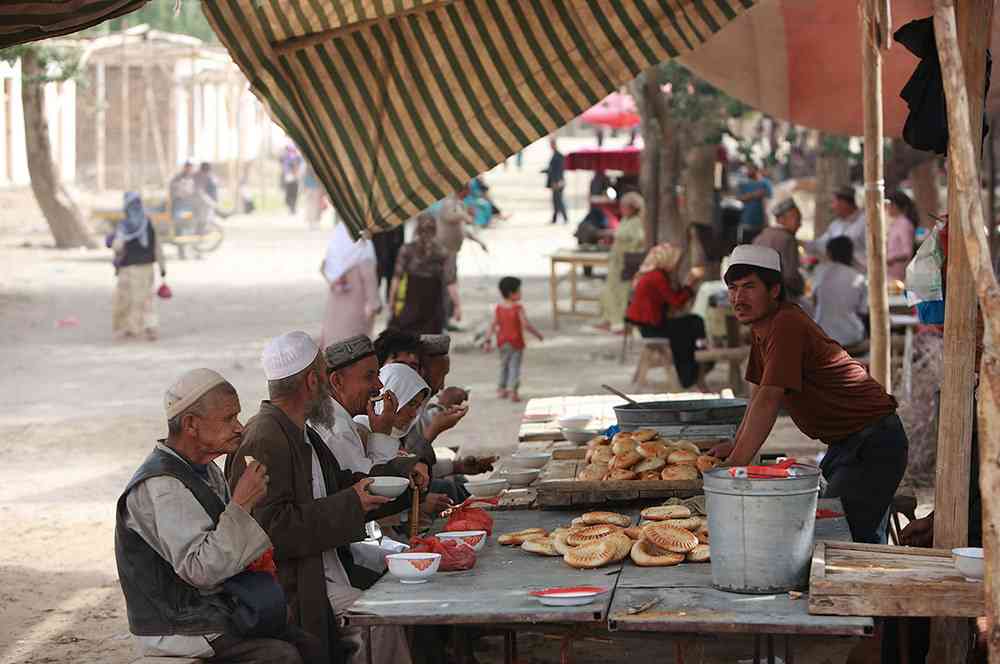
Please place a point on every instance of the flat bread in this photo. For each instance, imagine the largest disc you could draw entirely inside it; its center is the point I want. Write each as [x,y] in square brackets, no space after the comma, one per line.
[622,435]
[624,445]
[669,538]
[626,460]
[642,435]
[623,545]
[602,455]
[702,535]
[645,554]
[593,555]
[612,518]
[692,523]
[679,473]
[587,534]
[682,458]
[592,473]
[664,512]
[633,533]
[649,475]
[542,546]
[559,543]
[654,463]
[652,449]
[706,463]
[699,554]
[598,440]
[621,474]
[517,538]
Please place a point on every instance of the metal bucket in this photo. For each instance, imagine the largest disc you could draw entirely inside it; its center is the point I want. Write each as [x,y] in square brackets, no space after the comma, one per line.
[688,411]
[761,530]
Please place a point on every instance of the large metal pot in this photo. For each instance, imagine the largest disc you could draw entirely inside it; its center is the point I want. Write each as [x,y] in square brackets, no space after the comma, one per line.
[689,411]
[761,530]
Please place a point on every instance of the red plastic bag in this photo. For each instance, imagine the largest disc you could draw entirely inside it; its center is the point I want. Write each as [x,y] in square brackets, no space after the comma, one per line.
[468,517]
[455,554]
[164,291]
[265,564]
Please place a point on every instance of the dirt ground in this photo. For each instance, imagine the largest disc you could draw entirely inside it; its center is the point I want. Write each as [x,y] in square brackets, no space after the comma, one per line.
[80,411]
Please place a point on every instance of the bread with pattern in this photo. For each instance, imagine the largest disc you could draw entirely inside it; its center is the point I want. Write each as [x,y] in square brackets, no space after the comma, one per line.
[592,555]
[645,554]
[669,538]
[612,518]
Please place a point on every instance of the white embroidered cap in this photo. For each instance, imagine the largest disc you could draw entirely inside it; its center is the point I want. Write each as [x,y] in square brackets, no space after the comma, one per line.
[189,388]
[751,254]
[288,354]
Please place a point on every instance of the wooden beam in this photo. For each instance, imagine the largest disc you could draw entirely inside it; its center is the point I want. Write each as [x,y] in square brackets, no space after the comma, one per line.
[962,33]
[871,89]
[126,146]
[101,121]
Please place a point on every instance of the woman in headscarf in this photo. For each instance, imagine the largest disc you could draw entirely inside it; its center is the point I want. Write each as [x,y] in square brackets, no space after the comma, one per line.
[352,299]
[136,249]
[425,271]
[629,238]
[410,389]
[903,221]
[657,309]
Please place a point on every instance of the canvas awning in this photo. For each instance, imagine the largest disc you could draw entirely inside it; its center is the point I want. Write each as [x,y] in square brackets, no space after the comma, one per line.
[22,22]
[396,103]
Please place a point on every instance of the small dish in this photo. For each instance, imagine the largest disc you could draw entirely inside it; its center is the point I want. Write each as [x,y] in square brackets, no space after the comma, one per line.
[572,596]
[520,477]
[474,538]
[413,567]
[574,421]
[530,459]
[388,487]
[969,562]
[486,488]
[577,436]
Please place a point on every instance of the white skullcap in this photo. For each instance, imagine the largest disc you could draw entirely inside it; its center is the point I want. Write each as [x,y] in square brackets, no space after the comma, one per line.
[189,388]
[751,254]
[288,354]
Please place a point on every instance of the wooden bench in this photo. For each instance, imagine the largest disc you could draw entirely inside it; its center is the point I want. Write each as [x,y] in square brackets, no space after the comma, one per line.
[733,356]
[655,354]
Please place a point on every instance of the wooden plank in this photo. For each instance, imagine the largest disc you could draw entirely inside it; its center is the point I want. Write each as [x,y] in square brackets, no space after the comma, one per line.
[494,591]
[872,579]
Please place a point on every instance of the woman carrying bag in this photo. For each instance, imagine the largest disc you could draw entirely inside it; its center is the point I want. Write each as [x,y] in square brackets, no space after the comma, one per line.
[136,250]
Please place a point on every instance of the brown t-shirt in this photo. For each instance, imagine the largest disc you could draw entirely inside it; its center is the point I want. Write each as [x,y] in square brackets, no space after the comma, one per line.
[828,394]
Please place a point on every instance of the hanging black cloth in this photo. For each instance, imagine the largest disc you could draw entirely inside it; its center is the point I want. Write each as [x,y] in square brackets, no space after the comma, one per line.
[926,126]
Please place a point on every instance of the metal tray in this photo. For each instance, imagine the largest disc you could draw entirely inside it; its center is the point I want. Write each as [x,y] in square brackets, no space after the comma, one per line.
[694,411]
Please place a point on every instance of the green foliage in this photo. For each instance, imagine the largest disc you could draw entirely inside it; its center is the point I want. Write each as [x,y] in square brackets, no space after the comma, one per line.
[698,104]
[57,64]
[835,146]
[159,15]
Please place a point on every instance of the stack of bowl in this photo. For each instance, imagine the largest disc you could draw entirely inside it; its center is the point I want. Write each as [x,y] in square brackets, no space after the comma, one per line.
[574,428]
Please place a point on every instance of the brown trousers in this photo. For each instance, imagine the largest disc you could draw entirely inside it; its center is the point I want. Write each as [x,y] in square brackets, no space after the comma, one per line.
[295,647]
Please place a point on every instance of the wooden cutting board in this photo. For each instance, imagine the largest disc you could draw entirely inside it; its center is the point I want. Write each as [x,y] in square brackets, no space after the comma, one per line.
[849,579]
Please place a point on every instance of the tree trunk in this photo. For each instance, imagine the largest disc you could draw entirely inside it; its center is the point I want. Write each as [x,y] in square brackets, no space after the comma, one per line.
[649,162]
[672,225]
[699,184]
[832,171]
[61,212]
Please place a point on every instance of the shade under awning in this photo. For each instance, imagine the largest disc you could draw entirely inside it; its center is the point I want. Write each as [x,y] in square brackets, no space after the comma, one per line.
[396,103]
[22,22]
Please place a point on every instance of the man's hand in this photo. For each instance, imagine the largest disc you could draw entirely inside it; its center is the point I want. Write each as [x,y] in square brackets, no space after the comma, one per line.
[474,465]
[435,503]
[383,423]
[456,312]
[252,486]
[722,450]
[919,532]
[369,501]
[453,396]
[446,419]
[421,476]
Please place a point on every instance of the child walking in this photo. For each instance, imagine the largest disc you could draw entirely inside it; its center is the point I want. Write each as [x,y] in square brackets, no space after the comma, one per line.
[509,323]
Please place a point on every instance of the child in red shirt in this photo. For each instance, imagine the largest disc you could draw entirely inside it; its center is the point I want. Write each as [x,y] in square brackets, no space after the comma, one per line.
[509,323]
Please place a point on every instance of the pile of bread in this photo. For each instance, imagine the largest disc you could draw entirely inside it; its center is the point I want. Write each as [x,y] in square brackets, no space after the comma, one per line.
[643,455]
[667,535]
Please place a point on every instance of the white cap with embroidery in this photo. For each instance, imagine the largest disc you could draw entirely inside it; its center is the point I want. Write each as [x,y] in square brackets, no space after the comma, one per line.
[288,354]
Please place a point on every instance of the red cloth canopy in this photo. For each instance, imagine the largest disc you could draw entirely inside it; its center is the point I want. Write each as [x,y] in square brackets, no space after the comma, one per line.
[611,159]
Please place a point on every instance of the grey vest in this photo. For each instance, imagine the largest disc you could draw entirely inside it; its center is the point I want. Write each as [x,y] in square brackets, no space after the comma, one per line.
[158,602]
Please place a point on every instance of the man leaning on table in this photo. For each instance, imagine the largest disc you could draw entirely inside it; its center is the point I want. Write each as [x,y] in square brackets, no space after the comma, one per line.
[829,395]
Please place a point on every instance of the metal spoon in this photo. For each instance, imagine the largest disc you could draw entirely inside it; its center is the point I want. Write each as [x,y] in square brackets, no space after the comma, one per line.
[623,396]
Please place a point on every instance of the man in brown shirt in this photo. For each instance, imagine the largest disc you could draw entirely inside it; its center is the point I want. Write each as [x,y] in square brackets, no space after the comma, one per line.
[828,395]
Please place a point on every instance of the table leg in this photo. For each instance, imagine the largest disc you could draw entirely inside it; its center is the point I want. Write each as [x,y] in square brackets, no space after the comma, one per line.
[507,658]
[908,362]
[679,652]
[554,292]
[368,646]
[572,287]
[770,649]
[566,650]
[756,649]
[513,647]
[789,652]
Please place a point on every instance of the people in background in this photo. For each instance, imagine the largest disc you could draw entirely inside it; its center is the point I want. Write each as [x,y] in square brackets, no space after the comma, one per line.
[629,238]
[314,195]
[903,221]
[398,346]
[850,221]
[509,323]
[555,180]
[657,309]
[481,203]
[425,273]
[183,191]
[137,250]
[753,193]
[291,172]
[387,245]
[352,299]
[840,294]
[781,238]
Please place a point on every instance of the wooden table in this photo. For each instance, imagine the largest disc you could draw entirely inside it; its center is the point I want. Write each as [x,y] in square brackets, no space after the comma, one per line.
[575,260]
[688,604]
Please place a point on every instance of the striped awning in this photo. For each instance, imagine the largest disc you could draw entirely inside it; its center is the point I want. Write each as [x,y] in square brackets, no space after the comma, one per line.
[396,103]
[22,22]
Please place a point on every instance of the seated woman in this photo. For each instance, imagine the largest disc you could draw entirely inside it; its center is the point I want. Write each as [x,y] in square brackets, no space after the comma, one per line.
[629,238]
[841,294]
[655,306]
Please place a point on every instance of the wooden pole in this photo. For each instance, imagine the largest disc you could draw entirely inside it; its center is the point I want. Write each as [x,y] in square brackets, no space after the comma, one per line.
[415,513]
[102,125]
[878,296]
[962,35]
[126,145]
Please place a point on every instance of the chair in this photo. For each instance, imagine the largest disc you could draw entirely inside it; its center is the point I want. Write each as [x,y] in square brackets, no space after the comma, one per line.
[655,354]
[901,504]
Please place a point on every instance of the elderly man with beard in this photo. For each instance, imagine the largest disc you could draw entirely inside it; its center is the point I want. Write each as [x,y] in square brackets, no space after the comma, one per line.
[182,542]
[313,509]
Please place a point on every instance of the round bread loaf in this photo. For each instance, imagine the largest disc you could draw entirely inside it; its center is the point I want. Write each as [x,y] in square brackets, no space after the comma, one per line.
[621,474]
[654,463]
[587,534]
[590,556]
[517,538]
[669,538]
[623,446]
[612,518]
[706,463]
[683,473]
[542,546]
[699,554]
[642,435]
[664,512]
[682,457]
[645,554]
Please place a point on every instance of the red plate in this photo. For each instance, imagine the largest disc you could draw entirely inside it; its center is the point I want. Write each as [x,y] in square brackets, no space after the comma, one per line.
[574,590]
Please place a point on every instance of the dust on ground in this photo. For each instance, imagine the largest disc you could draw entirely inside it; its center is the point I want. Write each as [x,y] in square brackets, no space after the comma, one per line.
[80,411]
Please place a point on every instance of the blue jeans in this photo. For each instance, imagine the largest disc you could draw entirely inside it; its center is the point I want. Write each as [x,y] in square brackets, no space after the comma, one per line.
[510,367]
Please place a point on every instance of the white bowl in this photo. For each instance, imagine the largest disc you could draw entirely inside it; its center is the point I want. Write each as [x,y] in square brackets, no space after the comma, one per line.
[518,477]
[577,596]
[486,488]
[577,435]
[389,487]
[574,421]
[530,459]
[474,538]
[413,567]
[969,562]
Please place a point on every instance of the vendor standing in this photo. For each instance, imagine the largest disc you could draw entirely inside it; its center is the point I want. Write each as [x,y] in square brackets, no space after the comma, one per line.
[828,394]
